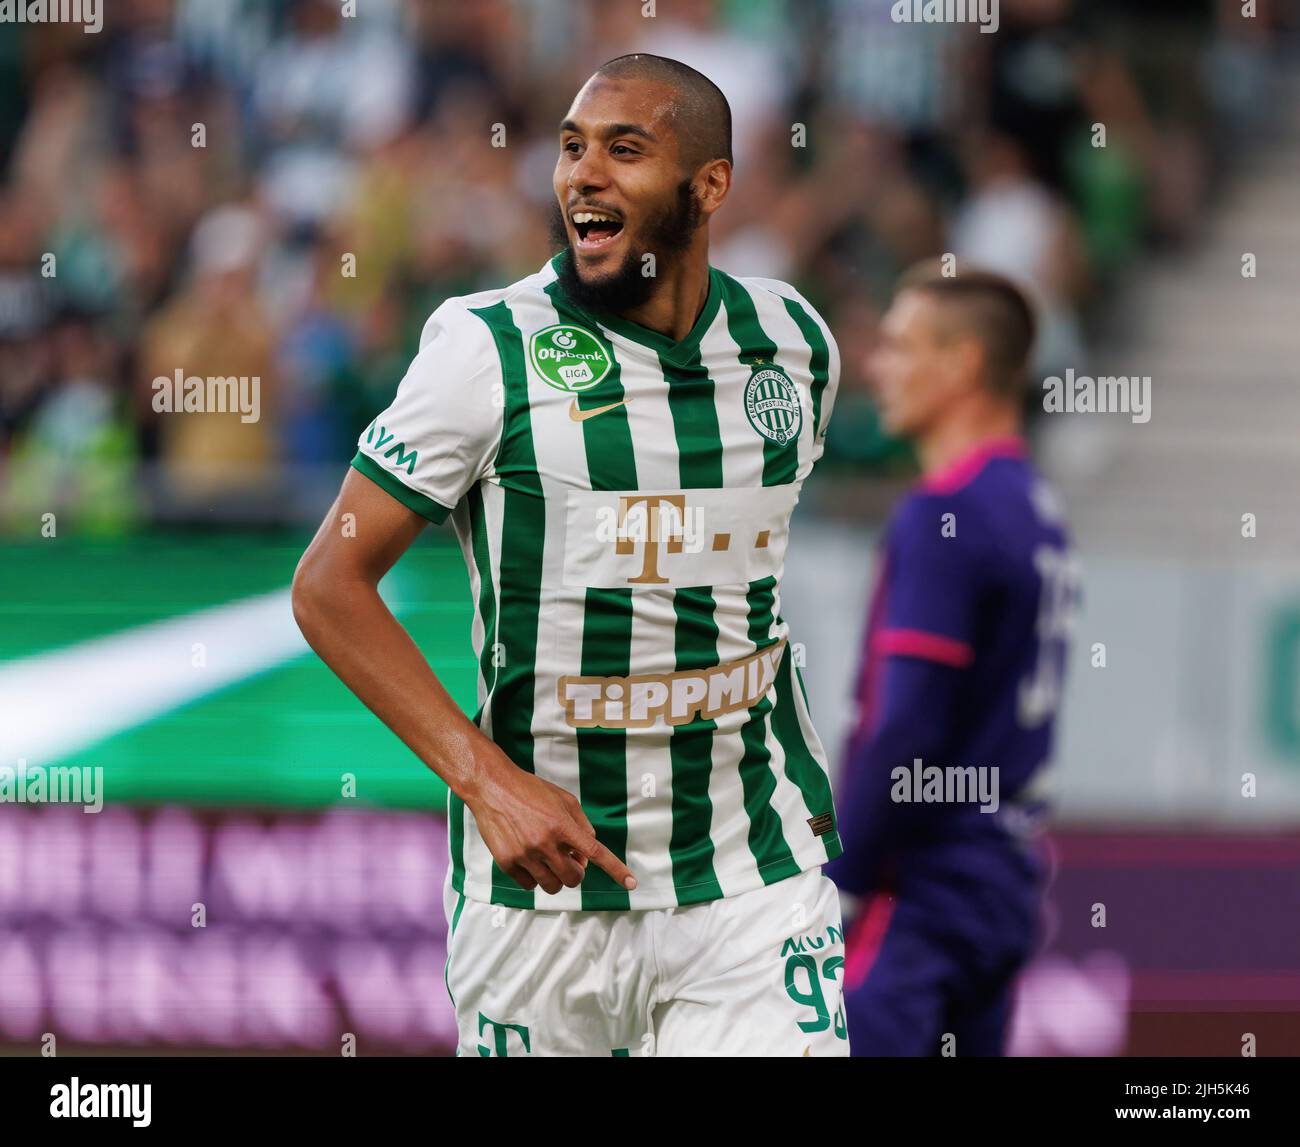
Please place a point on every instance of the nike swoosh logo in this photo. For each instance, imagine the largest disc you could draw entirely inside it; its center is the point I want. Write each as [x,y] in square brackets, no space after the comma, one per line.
[582,415]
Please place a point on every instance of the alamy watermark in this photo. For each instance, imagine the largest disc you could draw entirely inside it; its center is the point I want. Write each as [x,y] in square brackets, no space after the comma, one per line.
[672,521]
[77,1100]
[1107,394]
[182,394]
[88,13]
[981,12]
[920,783]
[63,784]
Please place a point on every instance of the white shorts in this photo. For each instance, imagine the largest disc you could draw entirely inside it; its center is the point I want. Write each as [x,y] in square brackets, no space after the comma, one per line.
[754,974]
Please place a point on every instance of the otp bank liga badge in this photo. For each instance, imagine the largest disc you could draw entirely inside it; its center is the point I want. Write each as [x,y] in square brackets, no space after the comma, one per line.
[568,358]
[772,404]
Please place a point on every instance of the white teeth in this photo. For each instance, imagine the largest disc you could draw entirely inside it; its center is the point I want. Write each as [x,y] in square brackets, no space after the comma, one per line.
[592,217]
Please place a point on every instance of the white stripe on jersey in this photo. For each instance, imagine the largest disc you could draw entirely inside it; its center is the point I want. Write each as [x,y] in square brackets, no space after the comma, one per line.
[441,422]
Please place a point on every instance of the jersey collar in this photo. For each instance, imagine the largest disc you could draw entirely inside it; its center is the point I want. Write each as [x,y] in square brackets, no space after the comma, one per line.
[677,352]
[966,469]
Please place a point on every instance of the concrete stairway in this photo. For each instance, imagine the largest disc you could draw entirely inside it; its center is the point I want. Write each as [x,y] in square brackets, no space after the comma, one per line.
[1223,353]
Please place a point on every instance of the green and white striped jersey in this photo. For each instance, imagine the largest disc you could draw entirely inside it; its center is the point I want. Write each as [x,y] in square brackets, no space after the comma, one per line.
[623,503]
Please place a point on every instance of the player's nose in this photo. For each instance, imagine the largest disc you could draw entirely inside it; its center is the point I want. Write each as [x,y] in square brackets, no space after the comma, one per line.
[588,174]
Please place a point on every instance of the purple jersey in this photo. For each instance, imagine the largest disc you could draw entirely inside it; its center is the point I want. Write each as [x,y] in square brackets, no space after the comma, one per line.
[962,663]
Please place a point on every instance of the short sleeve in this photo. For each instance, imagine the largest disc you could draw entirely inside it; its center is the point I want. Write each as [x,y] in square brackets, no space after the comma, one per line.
[824,356]
[824,398]
[440,434]
[936,576]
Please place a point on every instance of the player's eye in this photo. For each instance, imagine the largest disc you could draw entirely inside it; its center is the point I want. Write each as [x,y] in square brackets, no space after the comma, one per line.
[622,149]
[571,146]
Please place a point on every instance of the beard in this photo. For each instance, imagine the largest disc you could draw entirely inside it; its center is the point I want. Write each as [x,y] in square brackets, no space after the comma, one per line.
[666,235]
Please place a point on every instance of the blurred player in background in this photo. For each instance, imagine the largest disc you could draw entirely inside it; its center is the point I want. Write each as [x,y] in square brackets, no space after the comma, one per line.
[961,674]
[619,441]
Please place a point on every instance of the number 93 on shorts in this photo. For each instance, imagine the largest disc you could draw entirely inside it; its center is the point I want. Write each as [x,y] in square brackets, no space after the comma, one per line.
[756,974]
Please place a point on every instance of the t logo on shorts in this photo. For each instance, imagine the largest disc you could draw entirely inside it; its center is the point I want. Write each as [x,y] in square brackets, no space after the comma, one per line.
[500,1037]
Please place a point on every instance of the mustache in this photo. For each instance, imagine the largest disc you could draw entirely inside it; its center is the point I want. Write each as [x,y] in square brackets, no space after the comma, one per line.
[671,229]
[593,205]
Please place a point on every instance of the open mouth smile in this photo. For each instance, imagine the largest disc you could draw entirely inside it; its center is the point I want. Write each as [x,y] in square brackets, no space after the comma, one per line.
[595,229]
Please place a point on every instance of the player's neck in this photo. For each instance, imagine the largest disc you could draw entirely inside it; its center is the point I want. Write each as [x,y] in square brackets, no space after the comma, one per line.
[679,299]
[963,433]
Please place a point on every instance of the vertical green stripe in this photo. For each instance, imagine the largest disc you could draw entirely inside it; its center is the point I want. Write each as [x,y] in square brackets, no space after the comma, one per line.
[820,361]
[766,840]
[695,424]
[487,614]
[780,463]
[699,454]
[451,932]
[456,839]
[602,753]
[780,466]
[487,606]
[800,765]
[606,627]
[523,532]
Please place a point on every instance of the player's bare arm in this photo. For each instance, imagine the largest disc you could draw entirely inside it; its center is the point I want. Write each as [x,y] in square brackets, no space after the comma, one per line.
[536,831]
[621,714]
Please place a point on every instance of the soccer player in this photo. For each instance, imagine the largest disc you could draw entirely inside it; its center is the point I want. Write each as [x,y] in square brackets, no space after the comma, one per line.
[640,808]
[959,685]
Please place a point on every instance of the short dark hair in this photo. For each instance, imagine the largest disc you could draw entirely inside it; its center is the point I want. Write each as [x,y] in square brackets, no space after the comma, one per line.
[988,306]
[701,114]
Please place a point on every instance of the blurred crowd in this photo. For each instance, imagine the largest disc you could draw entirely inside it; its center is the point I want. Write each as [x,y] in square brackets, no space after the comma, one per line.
[273,188]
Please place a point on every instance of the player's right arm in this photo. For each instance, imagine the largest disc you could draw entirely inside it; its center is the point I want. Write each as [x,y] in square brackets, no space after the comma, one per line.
[415,461]
[925,646]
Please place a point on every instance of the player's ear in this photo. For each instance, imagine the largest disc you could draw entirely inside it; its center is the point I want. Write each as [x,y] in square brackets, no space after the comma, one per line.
[711,184]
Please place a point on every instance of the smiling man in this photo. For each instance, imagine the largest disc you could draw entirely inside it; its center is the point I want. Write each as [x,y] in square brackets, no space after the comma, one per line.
[639,809]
